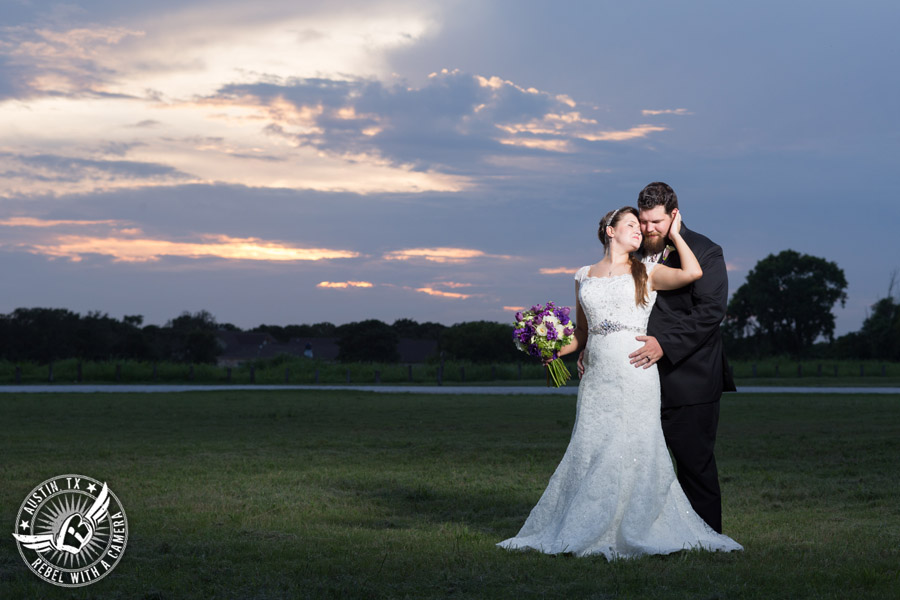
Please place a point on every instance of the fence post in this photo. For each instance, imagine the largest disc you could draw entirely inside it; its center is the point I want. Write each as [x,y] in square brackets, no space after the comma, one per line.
[155,374]
[799,369]
[228,374]
[819,370]
[191,373]
[462,374]
[79,372]
[316,376]
[493,372]
[862,370]
[118,372]
[348,375]
[18,374]
[883,370]
[520,370]
[835,370]
[776,370]
[409,369]
[440,375]
[754,369]
[50,372]
[253,374]
[287,374]
[377,376]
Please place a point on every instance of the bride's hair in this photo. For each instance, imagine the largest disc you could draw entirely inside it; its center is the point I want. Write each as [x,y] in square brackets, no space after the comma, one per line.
[638,270]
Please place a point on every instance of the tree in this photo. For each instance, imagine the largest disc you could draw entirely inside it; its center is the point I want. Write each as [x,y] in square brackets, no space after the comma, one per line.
[879,337]
[786,302]
[40,334]
[480,341]
[194,337]
[366,341]
[408,328]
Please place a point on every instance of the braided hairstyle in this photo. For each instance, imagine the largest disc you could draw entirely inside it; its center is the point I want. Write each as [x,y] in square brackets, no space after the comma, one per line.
[638,270]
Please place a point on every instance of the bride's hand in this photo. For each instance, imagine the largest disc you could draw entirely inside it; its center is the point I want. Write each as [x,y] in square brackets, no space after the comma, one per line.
[675,228]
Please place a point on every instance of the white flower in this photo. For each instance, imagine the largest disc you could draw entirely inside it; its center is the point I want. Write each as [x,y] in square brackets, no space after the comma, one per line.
[541,330]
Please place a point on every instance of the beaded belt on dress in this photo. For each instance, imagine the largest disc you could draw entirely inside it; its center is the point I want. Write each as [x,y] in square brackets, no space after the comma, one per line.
[605,327]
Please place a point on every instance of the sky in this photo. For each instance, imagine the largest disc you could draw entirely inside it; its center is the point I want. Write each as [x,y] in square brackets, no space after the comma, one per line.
[286,161]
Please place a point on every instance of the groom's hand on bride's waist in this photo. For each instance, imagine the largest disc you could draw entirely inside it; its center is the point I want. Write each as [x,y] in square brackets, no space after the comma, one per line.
[648,354]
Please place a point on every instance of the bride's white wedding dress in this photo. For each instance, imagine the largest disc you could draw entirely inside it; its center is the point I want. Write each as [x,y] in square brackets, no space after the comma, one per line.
[615,492]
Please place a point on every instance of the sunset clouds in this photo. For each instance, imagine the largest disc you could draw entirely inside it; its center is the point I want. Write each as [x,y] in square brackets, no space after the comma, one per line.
[441,161]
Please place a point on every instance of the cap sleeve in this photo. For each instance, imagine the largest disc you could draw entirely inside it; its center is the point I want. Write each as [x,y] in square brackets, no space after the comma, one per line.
[581,273]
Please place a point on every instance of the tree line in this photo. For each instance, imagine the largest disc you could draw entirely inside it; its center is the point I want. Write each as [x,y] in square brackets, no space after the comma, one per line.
[784,307]
[44,335]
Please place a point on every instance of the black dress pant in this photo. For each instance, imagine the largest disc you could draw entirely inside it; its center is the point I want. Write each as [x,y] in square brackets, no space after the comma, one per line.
[690,433]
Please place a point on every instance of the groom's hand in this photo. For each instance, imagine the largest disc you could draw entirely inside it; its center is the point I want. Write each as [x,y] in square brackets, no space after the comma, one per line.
[647,354]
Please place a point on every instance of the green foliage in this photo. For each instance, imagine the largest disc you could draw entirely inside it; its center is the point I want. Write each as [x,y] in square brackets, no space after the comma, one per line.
[879,337]
[785,304]
[408,328]
[370,340]
[288,332]
[50,334]
[480,341]
[194,339]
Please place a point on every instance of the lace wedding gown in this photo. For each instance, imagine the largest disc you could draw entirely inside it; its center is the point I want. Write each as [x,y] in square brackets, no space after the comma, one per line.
[615,492]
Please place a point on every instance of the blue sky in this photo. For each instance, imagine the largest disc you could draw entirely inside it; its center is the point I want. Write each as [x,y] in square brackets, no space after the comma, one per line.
[288,162]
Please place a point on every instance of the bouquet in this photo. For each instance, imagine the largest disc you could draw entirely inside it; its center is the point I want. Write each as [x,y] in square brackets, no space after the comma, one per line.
[541,332]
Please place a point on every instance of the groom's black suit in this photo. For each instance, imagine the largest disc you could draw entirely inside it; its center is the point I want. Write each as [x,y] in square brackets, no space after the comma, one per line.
[694,372]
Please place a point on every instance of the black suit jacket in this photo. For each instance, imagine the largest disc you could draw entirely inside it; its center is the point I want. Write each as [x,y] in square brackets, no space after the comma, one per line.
[693,369]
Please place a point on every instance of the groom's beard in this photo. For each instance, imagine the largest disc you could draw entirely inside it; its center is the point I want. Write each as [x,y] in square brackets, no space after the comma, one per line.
[654,244]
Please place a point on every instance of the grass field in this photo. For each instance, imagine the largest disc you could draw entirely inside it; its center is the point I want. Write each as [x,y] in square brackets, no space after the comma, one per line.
[295,370]
[352,495]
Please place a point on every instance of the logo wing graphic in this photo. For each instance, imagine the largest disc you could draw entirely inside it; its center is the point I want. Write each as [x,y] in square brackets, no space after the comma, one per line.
[99,509]
[42,542]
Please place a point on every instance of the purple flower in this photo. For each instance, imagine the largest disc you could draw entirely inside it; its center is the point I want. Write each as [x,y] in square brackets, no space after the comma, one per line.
[519,316]
[551,332]
[568,331]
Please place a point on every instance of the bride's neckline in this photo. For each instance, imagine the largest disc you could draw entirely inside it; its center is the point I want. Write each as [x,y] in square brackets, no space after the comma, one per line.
[589,276]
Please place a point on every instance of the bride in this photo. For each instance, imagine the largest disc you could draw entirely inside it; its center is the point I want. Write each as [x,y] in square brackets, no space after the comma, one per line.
[615,492]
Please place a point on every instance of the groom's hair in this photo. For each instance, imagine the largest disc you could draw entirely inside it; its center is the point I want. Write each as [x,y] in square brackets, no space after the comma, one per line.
[658,194]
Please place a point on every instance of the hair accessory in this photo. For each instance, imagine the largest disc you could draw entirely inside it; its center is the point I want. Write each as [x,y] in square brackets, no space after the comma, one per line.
[612,217]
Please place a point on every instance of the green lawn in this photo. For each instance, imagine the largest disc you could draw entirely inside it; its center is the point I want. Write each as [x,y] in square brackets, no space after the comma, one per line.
[252,494]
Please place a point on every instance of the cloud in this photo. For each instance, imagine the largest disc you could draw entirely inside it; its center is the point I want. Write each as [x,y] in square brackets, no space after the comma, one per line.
[35,222]
[557,271]
[126,249]
[89,90]
[433,292]
[454,123]
[640,131]
[441,255]
[27,174]
[70,61]
[453,284]
[344,284]
[514,308]
[668,111]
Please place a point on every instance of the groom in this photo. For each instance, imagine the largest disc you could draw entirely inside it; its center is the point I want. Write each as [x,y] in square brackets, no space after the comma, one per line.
[683,337]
